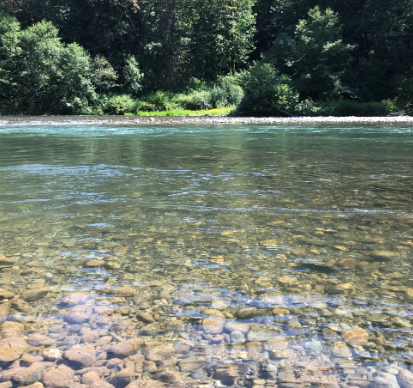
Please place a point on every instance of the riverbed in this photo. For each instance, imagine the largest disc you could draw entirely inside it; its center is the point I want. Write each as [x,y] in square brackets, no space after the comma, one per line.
[206,256]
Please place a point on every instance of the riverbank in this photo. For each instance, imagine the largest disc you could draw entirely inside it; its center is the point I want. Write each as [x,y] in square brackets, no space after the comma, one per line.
[136,120]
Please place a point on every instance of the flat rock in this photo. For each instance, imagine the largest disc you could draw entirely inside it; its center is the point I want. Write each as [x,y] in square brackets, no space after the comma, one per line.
[146,384]
[40,340]
[34,295]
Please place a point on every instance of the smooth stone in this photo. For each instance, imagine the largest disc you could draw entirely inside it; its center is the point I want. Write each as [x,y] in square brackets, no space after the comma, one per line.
[34,295]
[126,348]
[145,317]
[213,326]
[405,378]
[11,328]
[39,340]
[60,377]
[237,337]
[385,380]
[235,326]
[82,355]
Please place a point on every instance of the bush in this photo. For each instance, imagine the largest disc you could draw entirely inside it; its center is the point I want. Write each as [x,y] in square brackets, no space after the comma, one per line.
[267,92]
[158,101]
[227,92]
[119,105]
[196,100]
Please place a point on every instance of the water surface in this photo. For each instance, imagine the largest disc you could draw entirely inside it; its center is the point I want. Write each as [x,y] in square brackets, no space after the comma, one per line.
[206,256]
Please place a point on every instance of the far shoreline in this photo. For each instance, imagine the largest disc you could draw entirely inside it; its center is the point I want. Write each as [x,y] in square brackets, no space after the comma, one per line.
[199,120]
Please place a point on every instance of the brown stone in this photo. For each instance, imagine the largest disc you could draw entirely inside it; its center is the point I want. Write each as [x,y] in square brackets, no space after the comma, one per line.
[348,263]
[11,328]
[356,336]
[6,295]
[11,348]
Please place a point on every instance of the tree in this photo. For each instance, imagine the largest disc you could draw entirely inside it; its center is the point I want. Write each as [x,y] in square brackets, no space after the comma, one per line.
[41,74]
[314,56]
[132,76]
[104,76]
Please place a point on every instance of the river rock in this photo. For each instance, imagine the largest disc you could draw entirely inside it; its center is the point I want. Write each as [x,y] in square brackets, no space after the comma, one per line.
[82,355]
[213,326]
[237,337]
[6,295]
[384,380]
[341,350]
[145,317]
[146,384]
[356,336]
[348,263]
[158,353]
[235,326]
[60,377]
[125,348]
[405,378]
[25,376]
[11,329]
[11,348]
[40,340]
[34,295]
[191,364]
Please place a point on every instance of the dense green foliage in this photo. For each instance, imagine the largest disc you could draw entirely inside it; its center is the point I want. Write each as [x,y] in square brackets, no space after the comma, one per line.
[268,57]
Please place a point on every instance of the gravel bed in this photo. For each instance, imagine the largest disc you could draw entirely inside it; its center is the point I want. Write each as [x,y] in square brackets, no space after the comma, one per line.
[133,120]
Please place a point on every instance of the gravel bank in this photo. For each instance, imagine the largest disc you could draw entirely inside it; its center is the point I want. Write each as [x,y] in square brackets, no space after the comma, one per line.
[139,120]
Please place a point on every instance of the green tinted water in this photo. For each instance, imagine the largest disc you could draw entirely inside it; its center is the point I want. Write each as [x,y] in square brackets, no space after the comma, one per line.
[241,256]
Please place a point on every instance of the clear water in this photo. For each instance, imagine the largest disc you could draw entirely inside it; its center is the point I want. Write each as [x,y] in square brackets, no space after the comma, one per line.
[174,235]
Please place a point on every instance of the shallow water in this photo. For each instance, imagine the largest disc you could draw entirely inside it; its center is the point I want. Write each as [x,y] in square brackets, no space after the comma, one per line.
[206,256]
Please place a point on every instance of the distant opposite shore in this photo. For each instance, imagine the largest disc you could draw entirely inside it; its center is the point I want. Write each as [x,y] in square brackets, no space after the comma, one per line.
[199,120]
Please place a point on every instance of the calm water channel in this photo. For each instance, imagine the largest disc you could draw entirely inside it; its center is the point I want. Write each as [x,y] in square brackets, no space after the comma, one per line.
[206,257]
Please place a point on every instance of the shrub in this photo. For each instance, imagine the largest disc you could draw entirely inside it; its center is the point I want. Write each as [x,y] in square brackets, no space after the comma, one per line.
[119,105]
[158,101]
[196,100]
[227,92]
[267,92]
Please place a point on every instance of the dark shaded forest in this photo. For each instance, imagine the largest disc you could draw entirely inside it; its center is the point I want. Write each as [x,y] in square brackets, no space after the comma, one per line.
[263,57]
